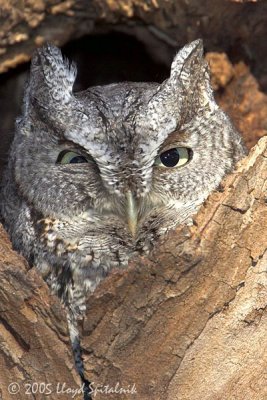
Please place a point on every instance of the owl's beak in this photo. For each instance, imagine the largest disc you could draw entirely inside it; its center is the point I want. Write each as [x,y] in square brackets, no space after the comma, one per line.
[131,212]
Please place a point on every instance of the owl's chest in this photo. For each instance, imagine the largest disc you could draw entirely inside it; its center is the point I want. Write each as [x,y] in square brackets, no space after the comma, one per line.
[84,244]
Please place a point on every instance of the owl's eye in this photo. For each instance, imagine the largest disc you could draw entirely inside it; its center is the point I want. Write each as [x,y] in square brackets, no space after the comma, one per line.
[176,157]
[70,157]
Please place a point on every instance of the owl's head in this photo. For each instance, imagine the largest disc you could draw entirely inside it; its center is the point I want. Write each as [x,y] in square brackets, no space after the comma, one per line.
[144,154]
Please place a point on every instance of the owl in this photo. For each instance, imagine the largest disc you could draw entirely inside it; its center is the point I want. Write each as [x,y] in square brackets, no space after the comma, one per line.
[97,176]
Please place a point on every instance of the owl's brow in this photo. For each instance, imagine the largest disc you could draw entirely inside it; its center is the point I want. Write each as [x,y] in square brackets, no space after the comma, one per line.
[174,137]
[72,145]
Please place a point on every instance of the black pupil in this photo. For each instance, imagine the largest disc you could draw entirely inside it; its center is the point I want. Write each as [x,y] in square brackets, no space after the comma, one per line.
[78,159]
[170,158]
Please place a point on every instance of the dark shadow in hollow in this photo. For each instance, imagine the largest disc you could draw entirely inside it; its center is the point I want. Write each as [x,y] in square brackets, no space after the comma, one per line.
[114,57]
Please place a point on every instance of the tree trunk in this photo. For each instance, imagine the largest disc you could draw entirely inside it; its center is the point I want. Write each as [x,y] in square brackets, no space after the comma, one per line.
[223,24]
[34,343]
[189,321]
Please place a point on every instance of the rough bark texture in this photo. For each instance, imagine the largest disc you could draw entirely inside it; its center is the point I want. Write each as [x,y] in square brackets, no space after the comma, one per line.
[34,343]
[237,91]
[223,24]
[190,321]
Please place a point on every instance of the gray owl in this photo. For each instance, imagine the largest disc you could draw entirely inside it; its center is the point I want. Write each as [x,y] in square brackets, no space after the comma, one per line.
[97,176]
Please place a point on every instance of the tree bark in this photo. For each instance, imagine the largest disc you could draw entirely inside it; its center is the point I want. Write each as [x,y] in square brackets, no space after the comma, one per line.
[223,24]
[34,342]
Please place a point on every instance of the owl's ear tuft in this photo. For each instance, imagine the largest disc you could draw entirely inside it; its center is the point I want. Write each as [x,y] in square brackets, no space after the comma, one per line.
[50,61]
[187,61]
[51,77]
[190,74]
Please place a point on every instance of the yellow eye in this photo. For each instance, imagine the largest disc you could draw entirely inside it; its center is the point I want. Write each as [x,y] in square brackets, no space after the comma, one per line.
[176,157]
[70,157]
